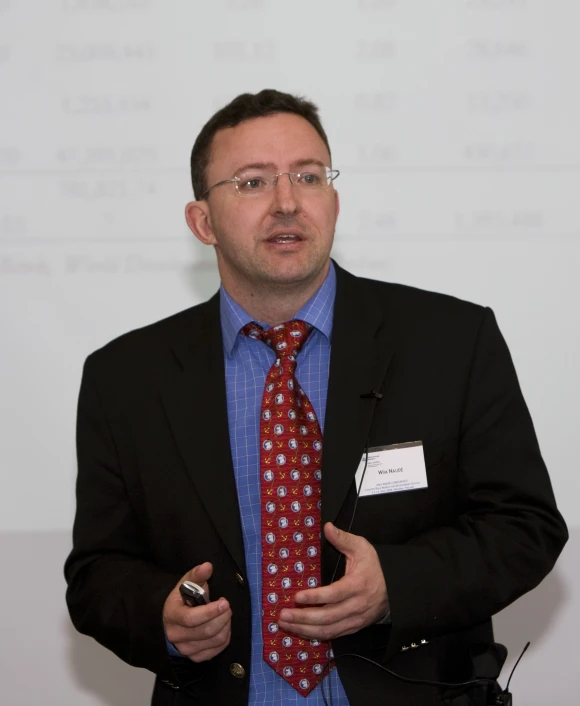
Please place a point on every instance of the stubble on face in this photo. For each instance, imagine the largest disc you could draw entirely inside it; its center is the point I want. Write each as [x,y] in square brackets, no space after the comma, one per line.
[243,227]
[264,271]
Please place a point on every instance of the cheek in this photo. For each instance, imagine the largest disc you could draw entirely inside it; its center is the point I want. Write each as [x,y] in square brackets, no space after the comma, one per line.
[326,216]
[244,219]
[233,222]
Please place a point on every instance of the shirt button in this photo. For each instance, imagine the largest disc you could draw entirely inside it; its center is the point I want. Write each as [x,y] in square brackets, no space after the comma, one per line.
[240,579]
[236,670]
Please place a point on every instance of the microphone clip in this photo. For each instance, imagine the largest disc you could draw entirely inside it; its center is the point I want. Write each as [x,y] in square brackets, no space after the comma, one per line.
[372,395]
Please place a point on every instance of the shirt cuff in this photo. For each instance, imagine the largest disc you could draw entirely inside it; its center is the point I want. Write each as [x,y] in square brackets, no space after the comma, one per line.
[173,651]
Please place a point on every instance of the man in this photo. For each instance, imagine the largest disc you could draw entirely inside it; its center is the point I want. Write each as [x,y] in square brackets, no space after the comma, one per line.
[199,448]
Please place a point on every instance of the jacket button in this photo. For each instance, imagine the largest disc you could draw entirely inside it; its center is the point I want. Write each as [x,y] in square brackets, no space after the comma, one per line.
[240,579]
[236,670]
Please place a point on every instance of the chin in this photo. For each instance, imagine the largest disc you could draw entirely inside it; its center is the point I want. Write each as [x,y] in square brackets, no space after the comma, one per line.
[297,271]
[292,275]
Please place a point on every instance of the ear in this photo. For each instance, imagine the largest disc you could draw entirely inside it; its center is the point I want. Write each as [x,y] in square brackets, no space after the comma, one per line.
[336,205]
[198,219]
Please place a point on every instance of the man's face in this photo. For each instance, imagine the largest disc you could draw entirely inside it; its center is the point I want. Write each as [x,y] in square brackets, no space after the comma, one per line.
[248,232]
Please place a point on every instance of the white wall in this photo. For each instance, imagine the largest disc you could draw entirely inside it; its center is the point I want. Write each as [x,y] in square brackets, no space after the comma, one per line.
[455,126]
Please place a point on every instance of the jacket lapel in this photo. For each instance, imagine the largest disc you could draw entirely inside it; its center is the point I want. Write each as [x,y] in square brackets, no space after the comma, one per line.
[194,398]
[361,352]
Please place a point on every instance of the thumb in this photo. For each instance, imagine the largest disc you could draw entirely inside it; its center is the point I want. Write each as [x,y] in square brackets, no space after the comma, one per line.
[200,574]
[341,540]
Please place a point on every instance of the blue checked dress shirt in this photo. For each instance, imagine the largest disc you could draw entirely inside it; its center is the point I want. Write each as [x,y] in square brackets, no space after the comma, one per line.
[247,362]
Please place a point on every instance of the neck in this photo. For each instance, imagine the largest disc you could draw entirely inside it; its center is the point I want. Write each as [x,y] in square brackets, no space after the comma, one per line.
[273,303]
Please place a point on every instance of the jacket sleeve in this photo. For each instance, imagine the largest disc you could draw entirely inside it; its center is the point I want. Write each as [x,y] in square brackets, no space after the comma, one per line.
[115,592]
[507,533]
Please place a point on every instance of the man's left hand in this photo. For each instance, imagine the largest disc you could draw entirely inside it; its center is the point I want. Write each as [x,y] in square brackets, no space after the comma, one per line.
[356,600]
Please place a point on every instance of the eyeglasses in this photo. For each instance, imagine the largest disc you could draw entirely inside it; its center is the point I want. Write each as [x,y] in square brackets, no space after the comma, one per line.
[256,183]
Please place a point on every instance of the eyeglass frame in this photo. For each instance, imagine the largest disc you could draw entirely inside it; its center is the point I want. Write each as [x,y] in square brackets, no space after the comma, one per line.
[236,180]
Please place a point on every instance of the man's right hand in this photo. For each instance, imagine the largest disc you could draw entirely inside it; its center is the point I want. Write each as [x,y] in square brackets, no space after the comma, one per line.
[201,632]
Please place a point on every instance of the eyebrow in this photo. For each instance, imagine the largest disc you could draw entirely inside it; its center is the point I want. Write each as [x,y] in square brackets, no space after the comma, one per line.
[270,165]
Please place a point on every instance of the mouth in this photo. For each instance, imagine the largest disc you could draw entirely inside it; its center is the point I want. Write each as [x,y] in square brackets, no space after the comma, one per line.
[285,237]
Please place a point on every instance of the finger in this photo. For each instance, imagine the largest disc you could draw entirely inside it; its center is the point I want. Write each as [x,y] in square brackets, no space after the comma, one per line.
[200,574]
[345,542]
[341,590]
[179,614]
[205,655]
[217,642]
[203,631]
[325,632]
[319,616]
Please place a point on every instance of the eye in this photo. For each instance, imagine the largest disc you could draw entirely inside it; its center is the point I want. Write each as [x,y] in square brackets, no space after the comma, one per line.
[256,183]
[310,179]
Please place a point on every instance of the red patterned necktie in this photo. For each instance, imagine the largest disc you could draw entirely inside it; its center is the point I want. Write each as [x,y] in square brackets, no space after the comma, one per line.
[290,491]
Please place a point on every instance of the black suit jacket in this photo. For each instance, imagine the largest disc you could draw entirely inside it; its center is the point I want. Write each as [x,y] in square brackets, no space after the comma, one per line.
[156,491]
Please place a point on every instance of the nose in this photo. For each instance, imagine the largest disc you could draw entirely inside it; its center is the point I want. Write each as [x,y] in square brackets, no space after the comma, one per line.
[284,199]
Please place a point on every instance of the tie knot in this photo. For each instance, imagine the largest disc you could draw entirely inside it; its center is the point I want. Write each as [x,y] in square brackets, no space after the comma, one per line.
[286,339]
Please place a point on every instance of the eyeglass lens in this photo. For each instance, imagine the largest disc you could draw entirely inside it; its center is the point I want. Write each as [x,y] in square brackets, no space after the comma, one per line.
[256,182]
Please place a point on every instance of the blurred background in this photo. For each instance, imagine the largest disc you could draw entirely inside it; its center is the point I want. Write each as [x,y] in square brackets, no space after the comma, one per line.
[455,127]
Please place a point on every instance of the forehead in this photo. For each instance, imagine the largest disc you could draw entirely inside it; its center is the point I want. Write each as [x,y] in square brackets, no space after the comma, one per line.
[279,139]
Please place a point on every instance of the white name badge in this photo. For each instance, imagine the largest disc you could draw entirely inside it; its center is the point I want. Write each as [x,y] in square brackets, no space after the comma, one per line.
[392,469]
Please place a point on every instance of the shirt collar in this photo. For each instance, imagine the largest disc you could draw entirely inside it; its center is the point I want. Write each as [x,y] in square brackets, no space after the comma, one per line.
[317,312]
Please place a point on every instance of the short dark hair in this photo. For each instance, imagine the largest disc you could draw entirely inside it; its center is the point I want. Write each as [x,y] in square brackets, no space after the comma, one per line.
[245,107]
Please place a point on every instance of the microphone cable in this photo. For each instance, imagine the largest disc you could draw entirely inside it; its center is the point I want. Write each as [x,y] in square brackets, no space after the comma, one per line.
[504,698]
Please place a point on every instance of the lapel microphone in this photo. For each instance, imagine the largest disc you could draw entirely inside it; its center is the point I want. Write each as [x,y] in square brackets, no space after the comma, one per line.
[373,394]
